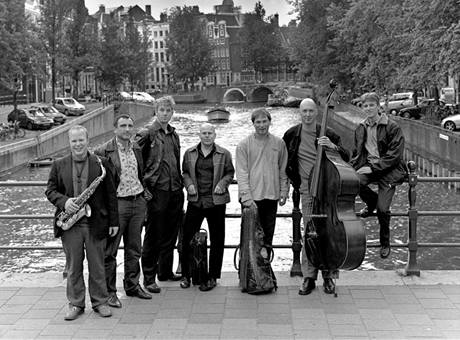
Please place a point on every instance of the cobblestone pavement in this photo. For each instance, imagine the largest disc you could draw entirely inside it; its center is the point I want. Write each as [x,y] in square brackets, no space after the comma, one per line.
[370,305]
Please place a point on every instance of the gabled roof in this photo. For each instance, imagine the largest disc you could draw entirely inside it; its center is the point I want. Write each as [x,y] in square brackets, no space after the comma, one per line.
[230,20]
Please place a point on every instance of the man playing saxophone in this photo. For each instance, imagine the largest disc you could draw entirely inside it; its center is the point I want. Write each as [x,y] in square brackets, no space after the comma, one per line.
[81,187]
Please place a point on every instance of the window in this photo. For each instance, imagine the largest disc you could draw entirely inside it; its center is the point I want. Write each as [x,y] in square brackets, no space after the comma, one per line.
[162,57]
[155,34]
[157,69]
[156,57]
[161,44]
[166,33]
[167,57]
[156,45]
[161,33]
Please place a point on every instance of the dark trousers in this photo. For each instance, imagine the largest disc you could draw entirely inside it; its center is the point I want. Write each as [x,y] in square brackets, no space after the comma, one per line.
[381,201]
[267,214]
[75,240]
[131,214]
[215,217]
[163,214]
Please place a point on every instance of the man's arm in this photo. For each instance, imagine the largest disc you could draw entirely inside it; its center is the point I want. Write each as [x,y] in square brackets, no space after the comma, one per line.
[188,183]
[284,181]
[54,196]
[394,153]
[229,172]
[242,173]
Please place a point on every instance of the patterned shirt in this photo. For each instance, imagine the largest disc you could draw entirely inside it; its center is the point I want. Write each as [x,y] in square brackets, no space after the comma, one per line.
[129,180]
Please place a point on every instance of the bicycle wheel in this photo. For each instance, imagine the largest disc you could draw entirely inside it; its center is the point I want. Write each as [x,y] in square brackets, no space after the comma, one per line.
[20,133]
[2,135]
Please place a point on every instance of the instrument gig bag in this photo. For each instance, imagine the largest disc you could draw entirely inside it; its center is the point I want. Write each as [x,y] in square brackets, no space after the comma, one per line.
[254,271]
[199,257]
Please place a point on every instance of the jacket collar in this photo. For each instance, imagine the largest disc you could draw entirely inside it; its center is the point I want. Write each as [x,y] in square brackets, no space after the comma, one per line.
[383,120]
[217,148]
[299,129]
[156,126]
[112,145]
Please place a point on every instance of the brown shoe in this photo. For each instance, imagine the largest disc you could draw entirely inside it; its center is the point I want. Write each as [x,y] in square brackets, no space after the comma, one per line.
[103,310]
[73,313]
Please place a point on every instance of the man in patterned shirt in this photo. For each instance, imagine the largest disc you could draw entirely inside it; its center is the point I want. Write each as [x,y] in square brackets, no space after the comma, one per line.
[126,158]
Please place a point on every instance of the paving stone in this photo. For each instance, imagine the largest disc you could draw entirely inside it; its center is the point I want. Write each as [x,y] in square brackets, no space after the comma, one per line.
[429,293]
[132,318]
[30,324]
[241,304]
[454,335]
[8,293]
[455,298]
[234,313]
[340,299]
[407,309]
[239,324]
[202,329]
[9,319]
[387,335]
[13,309]
[372,303]
[265,330]
[162,324]
[322,334]
[366,294]
[142,309]
[381,325]
[305,313]
[274,318]
[401,299]
[92,334]
[429,332]
[208,308]
[413,319]
[344,319]
[24,300]
[174,313]
[238,335]
[436,303]
[68,329]
[341,309]
[372,313]
[448,325]
[100,323]
[21,334]
[134,330]
[49,304]
[206,318]
[165,334]
[272,299]
[395,290]
[176,304]
[221,298]
[299,324]
[275,308]
[449,289]
[443,314]
[348,330]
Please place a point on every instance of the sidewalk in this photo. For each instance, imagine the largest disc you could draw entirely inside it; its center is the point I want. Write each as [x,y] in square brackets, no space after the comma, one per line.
[370,304]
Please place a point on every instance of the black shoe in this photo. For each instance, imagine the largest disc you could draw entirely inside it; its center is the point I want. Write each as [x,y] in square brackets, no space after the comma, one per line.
[205,287]
[329,286]
[307,286]
[212,283]
[385,251]
[185,282]
[172,277]
[366,212]
[114,301]
[139,293]
[153,288]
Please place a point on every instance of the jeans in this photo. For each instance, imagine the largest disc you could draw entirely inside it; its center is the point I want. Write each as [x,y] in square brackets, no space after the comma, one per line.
[74,241]
[267,214]
[131,215]
[164,213]
[215,217]
[381,201]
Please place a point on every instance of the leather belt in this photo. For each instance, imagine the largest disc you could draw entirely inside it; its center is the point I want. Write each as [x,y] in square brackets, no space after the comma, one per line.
[132,197]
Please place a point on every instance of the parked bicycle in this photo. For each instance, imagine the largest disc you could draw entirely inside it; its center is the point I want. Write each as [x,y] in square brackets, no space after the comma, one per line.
[15,131]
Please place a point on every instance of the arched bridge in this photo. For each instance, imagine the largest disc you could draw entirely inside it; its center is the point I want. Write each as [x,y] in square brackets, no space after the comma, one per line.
[254,93]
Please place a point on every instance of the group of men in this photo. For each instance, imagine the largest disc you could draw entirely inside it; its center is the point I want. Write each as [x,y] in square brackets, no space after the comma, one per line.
[139,183]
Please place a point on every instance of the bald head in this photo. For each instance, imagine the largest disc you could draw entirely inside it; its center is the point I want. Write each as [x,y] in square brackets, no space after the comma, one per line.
[207,134]
[308,112]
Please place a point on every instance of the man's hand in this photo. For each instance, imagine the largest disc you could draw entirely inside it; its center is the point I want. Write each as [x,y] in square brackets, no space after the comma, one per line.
[191,190]
[113,231]
[282,200]
[365,170]
[70,206]
[248,203]
[219,190]
[147,194]
[326,142]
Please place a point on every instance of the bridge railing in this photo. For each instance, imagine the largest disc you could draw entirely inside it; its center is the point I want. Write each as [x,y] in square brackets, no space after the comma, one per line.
[412,267]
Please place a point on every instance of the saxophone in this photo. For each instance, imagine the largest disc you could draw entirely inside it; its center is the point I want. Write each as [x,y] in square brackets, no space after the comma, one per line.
[66,220]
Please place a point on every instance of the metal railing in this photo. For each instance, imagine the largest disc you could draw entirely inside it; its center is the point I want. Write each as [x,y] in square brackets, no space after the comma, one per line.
[412,267]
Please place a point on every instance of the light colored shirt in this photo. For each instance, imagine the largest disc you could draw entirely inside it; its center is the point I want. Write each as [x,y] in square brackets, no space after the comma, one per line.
[261,168]
[371,141]
[306,156]
[129,180]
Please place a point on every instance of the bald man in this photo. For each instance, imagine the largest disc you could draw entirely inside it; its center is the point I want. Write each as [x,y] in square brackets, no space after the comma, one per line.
[207,171]
[301,141]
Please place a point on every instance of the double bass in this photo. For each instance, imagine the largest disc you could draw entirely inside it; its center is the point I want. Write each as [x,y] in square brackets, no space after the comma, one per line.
[335,237]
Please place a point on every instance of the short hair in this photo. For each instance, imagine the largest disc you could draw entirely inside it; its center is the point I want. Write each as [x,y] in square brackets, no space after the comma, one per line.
[208,125]
[79,128]
[122,116]
[370,97]
[260,113]
[166,100]
[309,100]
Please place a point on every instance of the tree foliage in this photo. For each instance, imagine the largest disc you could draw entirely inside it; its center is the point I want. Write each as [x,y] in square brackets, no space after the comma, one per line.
[188,46]
[260,41]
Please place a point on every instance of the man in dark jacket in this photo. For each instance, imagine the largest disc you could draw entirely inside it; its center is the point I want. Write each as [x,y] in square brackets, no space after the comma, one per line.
[378,158]
[160,147]
[126,158]
[69,177]
[301,142]
[207,171]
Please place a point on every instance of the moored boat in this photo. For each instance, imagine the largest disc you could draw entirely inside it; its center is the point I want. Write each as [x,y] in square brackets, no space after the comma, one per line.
[218,114]
[44,161]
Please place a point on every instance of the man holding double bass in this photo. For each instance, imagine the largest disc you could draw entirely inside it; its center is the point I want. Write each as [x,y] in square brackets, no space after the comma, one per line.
[302,141]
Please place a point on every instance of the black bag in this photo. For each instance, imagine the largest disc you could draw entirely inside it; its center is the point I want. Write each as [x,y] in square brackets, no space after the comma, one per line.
[255,272]
[199,257]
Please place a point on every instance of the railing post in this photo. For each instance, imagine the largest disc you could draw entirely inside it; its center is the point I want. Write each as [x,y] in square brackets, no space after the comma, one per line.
[296,269]
[412,267]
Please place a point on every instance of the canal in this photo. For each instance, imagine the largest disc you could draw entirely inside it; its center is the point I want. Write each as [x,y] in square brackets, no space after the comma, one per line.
[23,200]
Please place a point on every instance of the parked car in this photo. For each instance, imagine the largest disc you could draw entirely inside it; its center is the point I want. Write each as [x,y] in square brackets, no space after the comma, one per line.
[69,106]
[124,95]
[31,119]
[397,102]
[418,110]
[357,101]
[51,112]
[144,97]
[451,122]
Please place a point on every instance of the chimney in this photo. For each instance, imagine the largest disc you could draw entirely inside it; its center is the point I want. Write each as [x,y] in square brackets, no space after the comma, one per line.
[148,9]
[276,19]
[101,9]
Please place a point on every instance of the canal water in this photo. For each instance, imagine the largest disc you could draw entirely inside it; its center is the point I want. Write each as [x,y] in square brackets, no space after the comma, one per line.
[187,119]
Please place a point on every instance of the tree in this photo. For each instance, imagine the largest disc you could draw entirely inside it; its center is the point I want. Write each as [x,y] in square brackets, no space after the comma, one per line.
[18,46]
[80,43]
[260,41]
[52,21]
[188,46]
[137,55]
[112,56]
